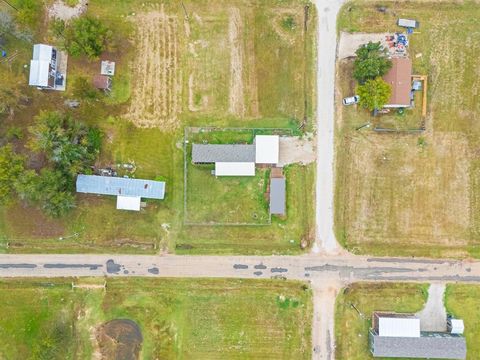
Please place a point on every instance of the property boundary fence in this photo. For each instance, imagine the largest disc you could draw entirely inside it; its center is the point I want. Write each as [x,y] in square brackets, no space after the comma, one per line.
[187,133]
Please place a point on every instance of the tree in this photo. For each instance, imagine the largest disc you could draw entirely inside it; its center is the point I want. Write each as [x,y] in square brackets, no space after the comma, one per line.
[371,61]
[374,94]
[84,36]
[71,146]
[29,12]
[52,193]
[49,189]
[11,169]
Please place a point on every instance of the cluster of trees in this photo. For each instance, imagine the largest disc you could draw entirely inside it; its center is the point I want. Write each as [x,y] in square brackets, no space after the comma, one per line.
[70,147]
[84,36]
[370,65]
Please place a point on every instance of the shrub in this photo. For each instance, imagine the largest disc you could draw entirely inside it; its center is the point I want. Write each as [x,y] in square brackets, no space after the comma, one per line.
[84,36]
[83,89]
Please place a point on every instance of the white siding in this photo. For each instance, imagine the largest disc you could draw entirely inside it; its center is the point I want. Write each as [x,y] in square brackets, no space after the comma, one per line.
[234,169]
[128,203]
[399,327]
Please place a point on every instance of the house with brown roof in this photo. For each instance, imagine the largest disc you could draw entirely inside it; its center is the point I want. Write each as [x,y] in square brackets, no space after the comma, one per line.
[400,79]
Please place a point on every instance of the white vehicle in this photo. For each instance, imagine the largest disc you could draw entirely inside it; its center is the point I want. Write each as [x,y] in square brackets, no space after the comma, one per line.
[351,100]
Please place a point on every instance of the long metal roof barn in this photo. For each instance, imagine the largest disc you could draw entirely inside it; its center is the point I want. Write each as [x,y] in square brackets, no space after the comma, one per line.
[428,345]
[211,153]
[107,185]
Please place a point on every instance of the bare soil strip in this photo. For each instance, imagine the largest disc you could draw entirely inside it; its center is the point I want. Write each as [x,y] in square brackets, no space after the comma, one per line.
[157,84]
[235,30]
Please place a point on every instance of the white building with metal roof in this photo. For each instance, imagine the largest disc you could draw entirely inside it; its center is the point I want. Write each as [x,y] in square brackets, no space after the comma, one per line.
[238,159]
[267,149]
[46,72]
[128,191]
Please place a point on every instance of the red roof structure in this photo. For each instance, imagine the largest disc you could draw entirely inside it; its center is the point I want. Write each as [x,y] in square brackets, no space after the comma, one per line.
[400,79]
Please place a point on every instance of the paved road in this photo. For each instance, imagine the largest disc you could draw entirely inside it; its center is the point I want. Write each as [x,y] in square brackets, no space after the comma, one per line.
[344,269]
[327,45]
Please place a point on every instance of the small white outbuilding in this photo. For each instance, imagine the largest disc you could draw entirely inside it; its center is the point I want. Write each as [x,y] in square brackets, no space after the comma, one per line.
[267,149]
[128,203]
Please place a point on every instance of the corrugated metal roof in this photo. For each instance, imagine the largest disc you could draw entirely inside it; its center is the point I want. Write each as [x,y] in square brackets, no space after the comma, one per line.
[107,185]
[42,52]
[429,345]
[401,327]
[277,196]
[39,73]
[211,153]
[234,169]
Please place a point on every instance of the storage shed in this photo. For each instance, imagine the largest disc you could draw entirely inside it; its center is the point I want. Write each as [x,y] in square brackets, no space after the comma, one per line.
[277,196]
[43,66]
[102,82]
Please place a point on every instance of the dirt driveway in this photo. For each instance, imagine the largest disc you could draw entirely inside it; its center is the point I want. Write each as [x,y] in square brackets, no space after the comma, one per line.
[296,150]
[349,43]
[62,11]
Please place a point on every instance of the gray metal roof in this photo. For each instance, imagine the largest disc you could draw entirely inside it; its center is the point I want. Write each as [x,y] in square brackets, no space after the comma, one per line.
[107,185]
[211,153]
[277,196]
[429,345]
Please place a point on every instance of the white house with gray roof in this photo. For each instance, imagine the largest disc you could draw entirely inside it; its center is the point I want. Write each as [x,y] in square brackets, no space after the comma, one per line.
[128,191]
[238,159]
[399,336]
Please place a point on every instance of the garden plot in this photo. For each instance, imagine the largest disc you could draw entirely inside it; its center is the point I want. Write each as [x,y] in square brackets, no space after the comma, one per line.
[157,87]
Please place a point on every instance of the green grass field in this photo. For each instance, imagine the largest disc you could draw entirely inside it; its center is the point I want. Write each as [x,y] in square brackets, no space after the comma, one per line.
[351,328]
[463,301]
[179,319]
[413,194]
[165,92]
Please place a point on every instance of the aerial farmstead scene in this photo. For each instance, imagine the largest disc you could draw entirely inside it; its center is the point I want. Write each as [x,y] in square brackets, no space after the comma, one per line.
[261,179]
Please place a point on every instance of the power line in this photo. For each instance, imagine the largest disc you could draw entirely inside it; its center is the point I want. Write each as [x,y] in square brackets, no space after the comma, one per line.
[13,7]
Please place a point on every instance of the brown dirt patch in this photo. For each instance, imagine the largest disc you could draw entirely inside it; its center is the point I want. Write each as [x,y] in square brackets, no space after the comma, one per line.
[296,150]
[119,339]
[349,43]
[157,84]
[27,222]
[235,38]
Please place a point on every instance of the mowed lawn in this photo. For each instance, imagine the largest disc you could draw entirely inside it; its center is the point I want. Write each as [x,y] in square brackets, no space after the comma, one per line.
[211,68]
[179,319]
[463,301]
[352,328]
[414,194]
